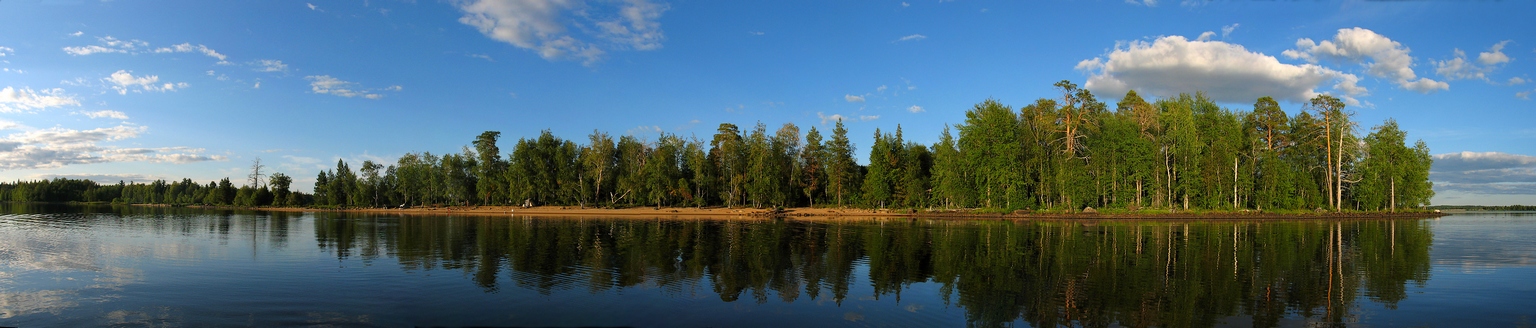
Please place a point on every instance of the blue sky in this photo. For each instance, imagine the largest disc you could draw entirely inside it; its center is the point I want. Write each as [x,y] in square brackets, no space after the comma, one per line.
[132,90]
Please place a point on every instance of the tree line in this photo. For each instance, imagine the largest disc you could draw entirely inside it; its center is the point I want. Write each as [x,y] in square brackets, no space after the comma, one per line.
[1067,153]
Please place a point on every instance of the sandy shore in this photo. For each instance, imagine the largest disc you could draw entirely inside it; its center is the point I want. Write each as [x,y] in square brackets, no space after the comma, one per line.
[807,212]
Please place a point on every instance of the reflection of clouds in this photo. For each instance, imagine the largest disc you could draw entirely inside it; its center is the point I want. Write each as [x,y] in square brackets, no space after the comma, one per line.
[43,301]
[51,256]
[136,318]
[337,318]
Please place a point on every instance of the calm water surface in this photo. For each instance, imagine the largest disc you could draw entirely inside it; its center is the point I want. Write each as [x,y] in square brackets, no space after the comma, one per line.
[97,266]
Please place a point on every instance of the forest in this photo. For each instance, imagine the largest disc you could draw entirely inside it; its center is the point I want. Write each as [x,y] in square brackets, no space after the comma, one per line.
[1066,153]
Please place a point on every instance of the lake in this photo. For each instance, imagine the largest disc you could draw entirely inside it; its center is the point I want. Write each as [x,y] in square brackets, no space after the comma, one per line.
[136,266]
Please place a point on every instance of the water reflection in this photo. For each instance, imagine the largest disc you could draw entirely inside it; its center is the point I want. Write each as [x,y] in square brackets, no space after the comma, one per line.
[1043,273]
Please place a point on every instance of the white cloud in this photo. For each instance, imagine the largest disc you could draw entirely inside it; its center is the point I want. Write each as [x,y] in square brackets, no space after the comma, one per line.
[483,56]
[108,44]
[880,89]
[124,81]
[188,47]
[257,85]
[914,37]
[1381,57]
[312,6]
[830,118]
[1227,30]
[14,100]
[915,109]
[905,4]
[56,147]
[77,33]
[759,33]
[1148,3]
[1495,54]
[271,65]
[868,117]
[544,25]
[1517,81]
[1484,173]
[1524,95]
[325,84]
[1459,67]
[853,98]
[106,114]
[644,129]
[1226,72]
[6,51]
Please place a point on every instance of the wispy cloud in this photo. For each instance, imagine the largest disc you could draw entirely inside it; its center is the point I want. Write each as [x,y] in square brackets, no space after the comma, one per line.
[914,37]
[325,84]
[544,26]
[853,98]
[270,65]
[106,114]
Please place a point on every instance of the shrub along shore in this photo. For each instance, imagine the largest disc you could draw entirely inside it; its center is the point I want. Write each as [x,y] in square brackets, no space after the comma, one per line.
[1180,155]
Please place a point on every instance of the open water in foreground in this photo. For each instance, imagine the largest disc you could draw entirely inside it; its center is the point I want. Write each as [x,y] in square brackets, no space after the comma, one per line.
[121,266]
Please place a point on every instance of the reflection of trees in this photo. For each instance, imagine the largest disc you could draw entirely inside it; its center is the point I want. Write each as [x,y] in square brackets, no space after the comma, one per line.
[1047,274]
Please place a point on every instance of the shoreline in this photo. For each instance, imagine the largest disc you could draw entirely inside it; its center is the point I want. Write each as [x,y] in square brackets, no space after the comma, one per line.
[837,213]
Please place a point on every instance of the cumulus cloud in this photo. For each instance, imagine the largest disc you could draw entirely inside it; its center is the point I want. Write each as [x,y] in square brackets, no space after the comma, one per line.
[270,65]
[1380,56]
[868,117]
[77,33]
[1524,95]
[853,98]
[1517,81]
[124,81]
[1459,67]
[914,37]
[1148,3]
[544,26]
[915,109]
[24,100]
[325,84]
[6,51]
[106,114]
[57,147]
[1484,173]
[1226,72]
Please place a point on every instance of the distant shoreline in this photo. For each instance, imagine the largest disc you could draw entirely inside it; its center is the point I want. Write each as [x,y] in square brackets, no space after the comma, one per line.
[651,212]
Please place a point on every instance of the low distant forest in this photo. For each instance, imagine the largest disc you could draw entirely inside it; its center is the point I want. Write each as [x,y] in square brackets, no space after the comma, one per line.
[1065,153]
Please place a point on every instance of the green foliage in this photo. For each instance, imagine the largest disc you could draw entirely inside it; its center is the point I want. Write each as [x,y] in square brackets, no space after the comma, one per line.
[1182,153]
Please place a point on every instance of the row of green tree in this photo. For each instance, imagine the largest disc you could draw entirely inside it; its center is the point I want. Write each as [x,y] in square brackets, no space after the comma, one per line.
[1176,153]
[275,192]
[1065,153]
